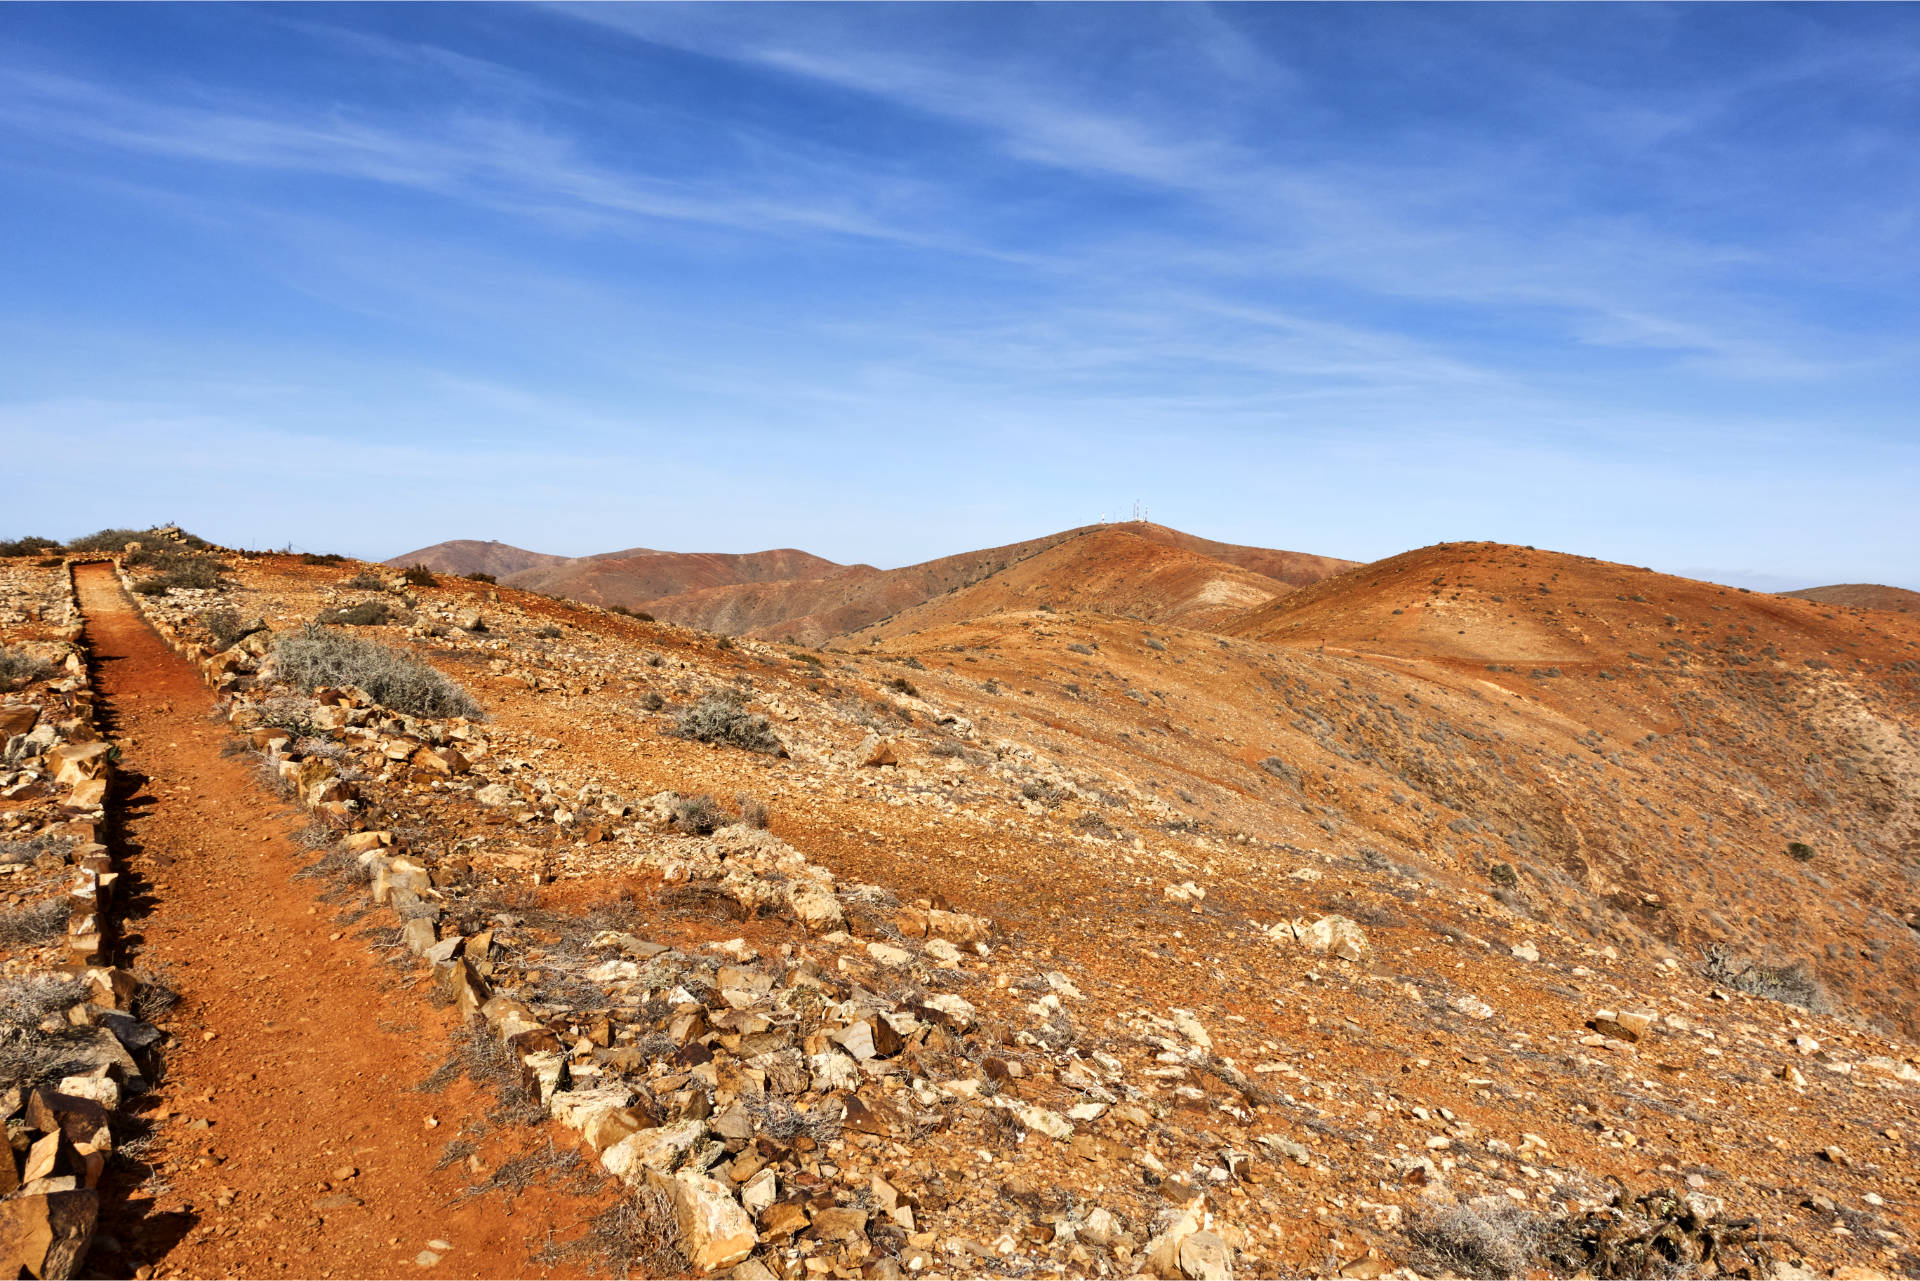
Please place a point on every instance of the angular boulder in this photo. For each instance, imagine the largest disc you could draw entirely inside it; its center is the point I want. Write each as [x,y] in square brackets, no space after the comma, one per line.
[714,1231]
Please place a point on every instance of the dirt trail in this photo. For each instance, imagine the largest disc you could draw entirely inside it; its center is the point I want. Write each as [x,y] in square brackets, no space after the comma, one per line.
[298,1050]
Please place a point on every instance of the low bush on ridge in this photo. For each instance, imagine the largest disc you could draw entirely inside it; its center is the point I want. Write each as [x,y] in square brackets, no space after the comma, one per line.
[319,657]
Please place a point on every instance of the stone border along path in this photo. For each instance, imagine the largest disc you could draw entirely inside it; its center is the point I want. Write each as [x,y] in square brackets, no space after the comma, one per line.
[288,1138]
[51,1206]
[783,1041]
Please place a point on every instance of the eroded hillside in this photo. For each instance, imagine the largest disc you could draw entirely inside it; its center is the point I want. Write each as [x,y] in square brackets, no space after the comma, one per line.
[1477,873]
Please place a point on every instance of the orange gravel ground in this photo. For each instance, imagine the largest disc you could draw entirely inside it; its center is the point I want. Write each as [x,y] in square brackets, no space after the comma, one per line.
[298,1051]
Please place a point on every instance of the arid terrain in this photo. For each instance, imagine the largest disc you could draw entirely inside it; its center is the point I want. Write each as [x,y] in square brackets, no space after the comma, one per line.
[1112,904]
[1135,567]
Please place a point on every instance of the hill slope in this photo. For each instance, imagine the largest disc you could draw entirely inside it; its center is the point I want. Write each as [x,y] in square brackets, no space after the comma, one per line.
[1429,889]
[468,556]
[636,576]
[1863,596]
[814,610]
[1108,569]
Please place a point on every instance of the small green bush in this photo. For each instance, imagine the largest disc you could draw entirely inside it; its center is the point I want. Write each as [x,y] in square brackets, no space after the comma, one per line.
[320,657]
[901,685]
[717,719]
[1801,851]
[419,576]
[28,546]
[322,558]
[1503,874]
[477,577]
[365,581]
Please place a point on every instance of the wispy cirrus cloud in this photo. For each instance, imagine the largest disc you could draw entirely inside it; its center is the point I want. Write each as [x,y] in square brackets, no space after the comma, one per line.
[1563,266]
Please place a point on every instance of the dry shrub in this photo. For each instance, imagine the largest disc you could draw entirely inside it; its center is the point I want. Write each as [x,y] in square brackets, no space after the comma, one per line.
[396,680]
[1487,1237]
[17,668]
[636,1236]
[108,540]
[366,613]
[718,719]
[1792,983]
[700,815]
[753,813]
[30,1057]
[36,923]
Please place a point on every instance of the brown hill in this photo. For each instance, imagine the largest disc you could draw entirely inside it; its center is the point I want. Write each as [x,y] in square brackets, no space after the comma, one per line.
[1863,596]
[469,556]
[814,610]
[1108,569]
[636,576]
[1485,602]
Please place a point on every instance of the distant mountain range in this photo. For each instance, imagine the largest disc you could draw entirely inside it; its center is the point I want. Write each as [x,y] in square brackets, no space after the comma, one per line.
[1130,568]
[1135,567]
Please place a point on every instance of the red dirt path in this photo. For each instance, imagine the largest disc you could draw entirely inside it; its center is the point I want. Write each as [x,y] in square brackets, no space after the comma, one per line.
[300,1049]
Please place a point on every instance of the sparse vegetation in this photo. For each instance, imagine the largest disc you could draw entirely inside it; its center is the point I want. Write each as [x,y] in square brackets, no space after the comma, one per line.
[720,719]
[1487,1237]
[699,815]
[901,685]
[365,581]
[366,613]
[1800,851]
[418,576]
[28,546]
[636,1236]
[1288,774]
[174,569]
[322,558]
[547,632]
[478,577]
[652,701]
[753,813]
[226,626]
[109,540]
[1793,983]
[29,1055]
[319,657]
[17,668]
[33,924]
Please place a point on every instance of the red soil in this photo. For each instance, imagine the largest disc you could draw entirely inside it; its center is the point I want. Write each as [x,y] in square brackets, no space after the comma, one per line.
[297,1048]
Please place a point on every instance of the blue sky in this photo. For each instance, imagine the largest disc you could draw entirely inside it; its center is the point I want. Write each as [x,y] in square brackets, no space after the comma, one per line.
[890,282]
